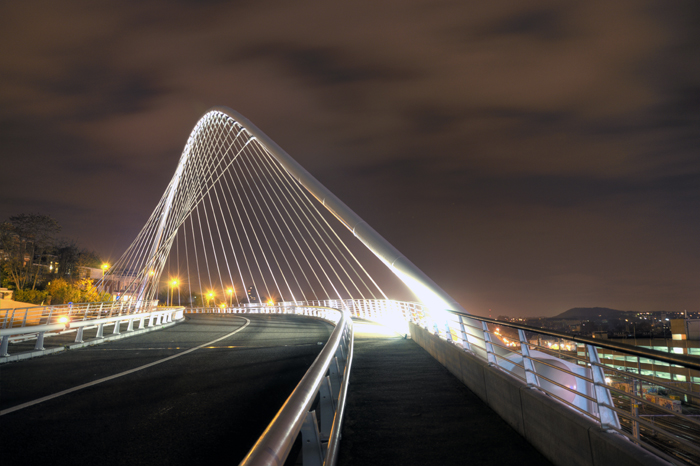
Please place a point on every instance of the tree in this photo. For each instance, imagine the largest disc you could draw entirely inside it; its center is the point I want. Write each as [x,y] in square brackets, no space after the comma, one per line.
[71,258]
[23,238]
[89,292]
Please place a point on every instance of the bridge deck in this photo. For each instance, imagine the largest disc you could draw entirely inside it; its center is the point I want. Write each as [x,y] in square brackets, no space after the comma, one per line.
[404,408]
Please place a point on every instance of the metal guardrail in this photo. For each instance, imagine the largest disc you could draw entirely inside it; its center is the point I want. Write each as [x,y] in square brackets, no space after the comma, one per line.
[36,315]
[39,322]
[316,407]
[616,385]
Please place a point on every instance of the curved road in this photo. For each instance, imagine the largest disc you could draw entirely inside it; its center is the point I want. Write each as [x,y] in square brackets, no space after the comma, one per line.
[175,396]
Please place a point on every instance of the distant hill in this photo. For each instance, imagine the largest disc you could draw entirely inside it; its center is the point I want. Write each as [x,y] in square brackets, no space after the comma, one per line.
[592,313]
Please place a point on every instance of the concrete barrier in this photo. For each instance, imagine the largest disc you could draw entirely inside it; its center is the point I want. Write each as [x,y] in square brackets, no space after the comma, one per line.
[564,436]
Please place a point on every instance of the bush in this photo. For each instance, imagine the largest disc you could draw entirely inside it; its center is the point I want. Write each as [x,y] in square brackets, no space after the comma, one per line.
[30,296]
[59,291]
[90,294]
[62,292]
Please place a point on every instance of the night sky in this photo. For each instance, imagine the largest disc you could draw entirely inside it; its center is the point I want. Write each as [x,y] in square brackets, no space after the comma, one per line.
[529,157]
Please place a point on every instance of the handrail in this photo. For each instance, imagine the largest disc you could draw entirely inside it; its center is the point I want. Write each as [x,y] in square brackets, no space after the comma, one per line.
[671,358]
[273,447]
[591,382]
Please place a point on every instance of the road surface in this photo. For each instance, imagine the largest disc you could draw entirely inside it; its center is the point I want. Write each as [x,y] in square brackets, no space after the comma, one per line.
[195,393]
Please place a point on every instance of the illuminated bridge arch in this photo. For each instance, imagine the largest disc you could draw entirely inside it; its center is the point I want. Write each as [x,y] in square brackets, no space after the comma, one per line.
[246,200]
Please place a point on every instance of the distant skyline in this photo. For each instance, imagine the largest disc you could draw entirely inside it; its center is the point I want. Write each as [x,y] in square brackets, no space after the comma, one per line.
[530,158]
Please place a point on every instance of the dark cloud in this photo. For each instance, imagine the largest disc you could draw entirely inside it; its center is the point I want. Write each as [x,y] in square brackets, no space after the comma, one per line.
[529,157]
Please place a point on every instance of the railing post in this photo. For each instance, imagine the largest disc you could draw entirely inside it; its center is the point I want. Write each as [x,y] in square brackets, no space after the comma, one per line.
[12,318]
[465,341]
[142,323]
[117,330]
[5,316]
[490,355]
[130,328]
[39,346]
[3,346]
[100,331]
[608,417]
[311,452]
[336,377]
[634,404]
[326,404]
[79,335]
[529,365]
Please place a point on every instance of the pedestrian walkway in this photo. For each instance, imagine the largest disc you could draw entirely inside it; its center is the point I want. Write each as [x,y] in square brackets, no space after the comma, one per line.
[404,408]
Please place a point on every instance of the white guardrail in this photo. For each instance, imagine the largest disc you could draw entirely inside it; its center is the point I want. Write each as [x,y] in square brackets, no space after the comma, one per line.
[39,322]
[623,388]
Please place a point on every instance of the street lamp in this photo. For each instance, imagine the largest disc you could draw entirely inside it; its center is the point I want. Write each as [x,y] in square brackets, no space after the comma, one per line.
[230,296]
[210,296]
[173,284]
[105,267]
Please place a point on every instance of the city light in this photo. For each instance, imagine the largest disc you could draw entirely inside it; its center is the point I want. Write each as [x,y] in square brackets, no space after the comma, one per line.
[63,320]
[173,285]
[105,267]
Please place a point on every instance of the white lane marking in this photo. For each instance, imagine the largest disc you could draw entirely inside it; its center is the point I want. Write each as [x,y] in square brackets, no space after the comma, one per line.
[105,379]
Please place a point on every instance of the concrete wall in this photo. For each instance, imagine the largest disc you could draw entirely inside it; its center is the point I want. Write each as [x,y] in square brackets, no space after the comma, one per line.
[564,436]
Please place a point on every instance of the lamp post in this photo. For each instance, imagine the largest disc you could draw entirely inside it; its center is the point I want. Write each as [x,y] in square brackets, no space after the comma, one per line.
[105,267]
[230,296]
[173,284]
[210,296]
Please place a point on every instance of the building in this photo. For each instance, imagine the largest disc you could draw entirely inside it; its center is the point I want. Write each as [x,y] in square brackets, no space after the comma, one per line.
[685,340]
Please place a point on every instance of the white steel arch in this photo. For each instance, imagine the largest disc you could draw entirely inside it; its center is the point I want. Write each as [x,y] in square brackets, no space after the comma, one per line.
[226,133]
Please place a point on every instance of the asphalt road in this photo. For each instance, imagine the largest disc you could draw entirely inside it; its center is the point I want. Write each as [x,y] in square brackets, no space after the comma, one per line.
[203,406]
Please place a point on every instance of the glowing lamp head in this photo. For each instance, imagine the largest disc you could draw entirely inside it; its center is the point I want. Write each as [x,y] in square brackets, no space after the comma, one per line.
[105,266]
[270,303]
[211,295]
[63,320]
[230,290]
[174,283]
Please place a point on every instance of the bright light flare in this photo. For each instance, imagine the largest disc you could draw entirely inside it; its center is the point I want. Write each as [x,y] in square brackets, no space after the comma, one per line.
[63,320]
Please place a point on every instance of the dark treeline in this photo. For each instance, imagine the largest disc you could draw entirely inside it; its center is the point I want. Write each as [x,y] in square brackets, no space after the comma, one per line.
[40,267]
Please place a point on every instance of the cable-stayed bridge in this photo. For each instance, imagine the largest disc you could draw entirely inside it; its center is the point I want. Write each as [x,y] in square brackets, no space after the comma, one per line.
[244,235]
